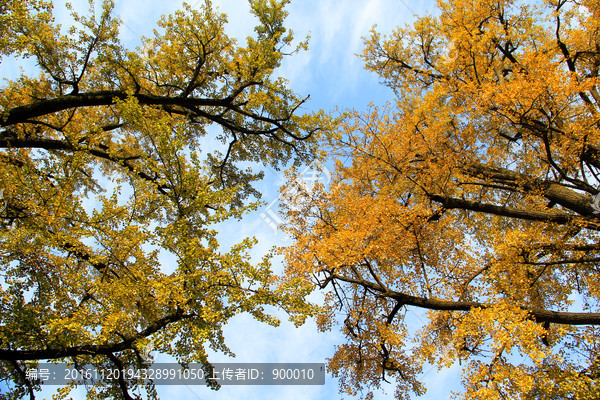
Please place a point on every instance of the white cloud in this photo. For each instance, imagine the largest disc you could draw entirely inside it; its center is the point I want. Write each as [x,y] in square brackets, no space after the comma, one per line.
[337,30]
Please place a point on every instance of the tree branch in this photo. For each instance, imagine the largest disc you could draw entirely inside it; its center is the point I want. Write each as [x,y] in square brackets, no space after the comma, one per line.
[92,349]
[539,315]
[101,98]
[511,212]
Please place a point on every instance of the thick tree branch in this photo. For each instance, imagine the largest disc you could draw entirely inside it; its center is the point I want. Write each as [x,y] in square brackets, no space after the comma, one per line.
[54,144]
[511,212]
[92,349]
[102,98]
[559,194]
[539,315]
[24,378]
[122,383]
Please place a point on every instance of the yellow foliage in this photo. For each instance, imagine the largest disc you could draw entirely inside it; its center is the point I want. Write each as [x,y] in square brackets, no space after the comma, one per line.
[105,175]
[474,196]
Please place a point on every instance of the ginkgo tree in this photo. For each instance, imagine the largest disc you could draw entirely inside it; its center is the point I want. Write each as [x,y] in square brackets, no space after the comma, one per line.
[108,168]
[472,201]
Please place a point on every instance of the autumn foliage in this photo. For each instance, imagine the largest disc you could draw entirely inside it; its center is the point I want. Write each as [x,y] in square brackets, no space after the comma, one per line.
[472,201]
[112,188]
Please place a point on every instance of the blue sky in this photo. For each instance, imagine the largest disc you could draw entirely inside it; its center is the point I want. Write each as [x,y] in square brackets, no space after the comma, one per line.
[334,77]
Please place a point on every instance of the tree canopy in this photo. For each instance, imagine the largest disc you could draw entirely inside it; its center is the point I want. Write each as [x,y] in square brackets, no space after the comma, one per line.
[108,168]
[473,198]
